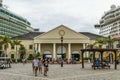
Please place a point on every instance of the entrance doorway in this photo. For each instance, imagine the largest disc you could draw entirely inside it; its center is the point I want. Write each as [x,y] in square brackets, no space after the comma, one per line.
[61,56]
[47,54]
[76,56]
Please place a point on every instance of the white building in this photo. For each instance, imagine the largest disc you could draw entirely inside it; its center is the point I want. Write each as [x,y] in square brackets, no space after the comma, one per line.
[109,24]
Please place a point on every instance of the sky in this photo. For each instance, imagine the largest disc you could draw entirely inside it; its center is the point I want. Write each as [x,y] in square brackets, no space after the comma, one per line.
[79,15]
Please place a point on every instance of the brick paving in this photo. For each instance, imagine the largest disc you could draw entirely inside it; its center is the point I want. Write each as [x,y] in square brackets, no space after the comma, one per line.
[68,72]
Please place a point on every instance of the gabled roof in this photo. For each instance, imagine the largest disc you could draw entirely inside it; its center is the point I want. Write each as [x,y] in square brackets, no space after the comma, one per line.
[32,35]
[51,34]
[54,33]
[92,36]
[28,36]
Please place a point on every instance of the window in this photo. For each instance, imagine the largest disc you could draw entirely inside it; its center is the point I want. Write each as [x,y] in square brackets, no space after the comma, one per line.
[12,55]
[30,46]
[12,47]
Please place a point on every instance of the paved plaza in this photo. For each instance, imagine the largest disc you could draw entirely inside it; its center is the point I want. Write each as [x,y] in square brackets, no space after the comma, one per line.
[68,72]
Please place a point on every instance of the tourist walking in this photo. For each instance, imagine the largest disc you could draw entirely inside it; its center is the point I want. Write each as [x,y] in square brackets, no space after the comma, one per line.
[40,65]
[35,65]
[61,62]
[23,61]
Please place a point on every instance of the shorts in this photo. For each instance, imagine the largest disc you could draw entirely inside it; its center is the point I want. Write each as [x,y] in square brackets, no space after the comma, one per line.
[35,67]
[40,67]
[45,68]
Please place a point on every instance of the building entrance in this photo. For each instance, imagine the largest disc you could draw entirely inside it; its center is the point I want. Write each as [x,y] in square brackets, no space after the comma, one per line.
[61,56]
[76,57]
[47,54]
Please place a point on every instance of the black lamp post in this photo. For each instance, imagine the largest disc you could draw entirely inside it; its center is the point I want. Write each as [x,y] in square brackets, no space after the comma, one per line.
[62,46]
[61,33]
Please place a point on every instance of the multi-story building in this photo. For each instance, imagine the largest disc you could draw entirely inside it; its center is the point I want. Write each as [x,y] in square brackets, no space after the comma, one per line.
[110,22]
[12,24]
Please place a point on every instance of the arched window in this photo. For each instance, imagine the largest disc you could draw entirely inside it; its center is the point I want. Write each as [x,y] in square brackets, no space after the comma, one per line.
[75,52]
[61,54]
[47,54]
[59,49]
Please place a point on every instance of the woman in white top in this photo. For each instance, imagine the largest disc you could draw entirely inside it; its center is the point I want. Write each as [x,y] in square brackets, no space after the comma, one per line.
[35,64]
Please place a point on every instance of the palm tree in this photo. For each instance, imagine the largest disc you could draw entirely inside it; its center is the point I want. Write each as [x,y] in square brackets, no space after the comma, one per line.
[22,51]
[91,46]
[101,41]
[16,43]
[110,41]
[5,41]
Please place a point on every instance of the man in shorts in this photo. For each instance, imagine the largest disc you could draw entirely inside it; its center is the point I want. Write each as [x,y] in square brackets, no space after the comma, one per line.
[35,65]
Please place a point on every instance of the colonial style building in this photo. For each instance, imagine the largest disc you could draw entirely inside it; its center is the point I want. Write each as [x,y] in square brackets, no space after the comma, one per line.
[60,42]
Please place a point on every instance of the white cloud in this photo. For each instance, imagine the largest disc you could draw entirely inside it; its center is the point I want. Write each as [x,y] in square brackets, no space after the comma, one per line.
[80,15]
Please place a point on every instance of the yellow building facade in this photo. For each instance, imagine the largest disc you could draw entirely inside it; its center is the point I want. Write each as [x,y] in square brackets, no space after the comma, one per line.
[49,43]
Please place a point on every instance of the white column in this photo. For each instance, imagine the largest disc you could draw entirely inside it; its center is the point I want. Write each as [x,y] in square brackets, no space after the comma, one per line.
[87,55]
[54,51]
[84,48]
[69,50]
[36,47]
[39,48]
[83,45]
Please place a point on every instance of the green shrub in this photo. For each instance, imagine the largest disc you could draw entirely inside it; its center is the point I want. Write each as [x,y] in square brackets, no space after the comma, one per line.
[38,54]
[30,57]
[13,60]
[19,60]
[87,58]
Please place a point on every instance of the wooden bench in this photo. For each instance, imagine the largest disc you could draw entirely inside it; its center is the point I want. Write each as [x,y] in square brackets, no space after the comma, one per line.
[101,66]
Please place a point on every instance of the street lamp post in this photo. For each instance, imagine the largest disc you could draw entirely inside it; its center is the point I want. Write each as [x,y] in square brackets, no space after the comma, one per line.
[62,51]
[62,46]
[61,33]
